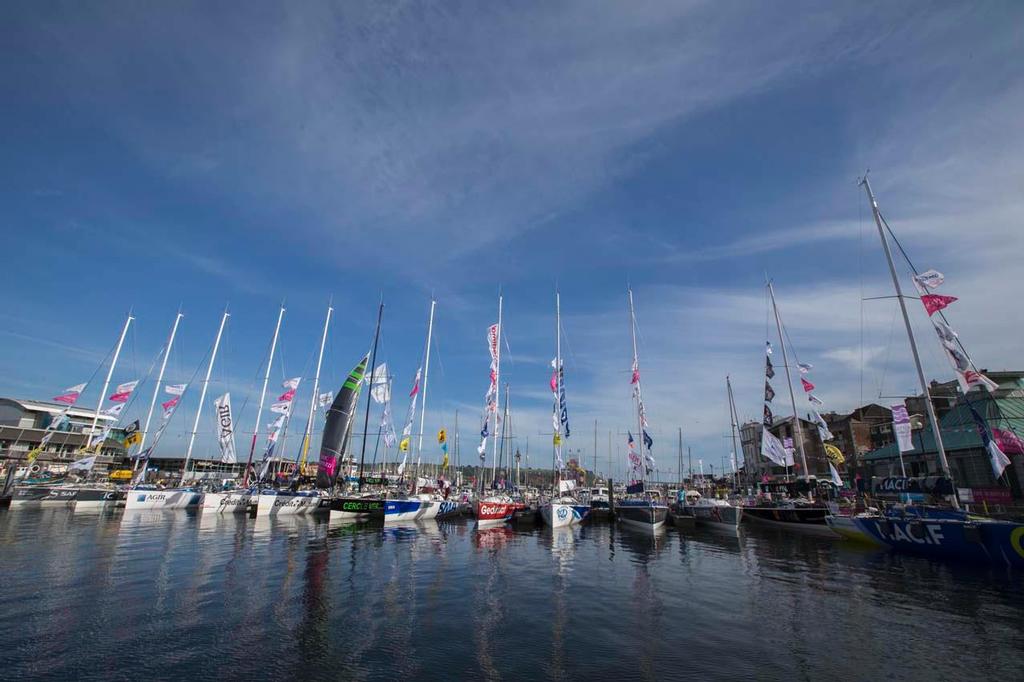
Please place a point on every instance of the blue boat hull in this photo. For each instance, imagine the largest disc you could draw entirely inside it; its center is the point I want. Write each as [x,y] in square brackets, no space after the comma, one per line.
[979,541]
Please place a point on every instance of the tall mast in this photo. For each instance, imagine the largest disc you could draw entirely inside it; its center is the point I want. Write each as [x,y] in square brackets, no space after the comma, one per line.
[316,389]
[595,452]
[369,398]
[455,453]
[202,396]
[556,470]
[423,406]
[106,382]
[637,394]
[789,384]
[263,396]
[932,417]
[733,429]
[682,481]
[497,397]
[159,381]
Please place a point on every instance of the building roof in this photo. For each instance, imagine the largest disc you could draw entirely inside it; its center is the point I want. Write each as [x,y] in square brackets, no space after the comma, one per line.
[959,431]
[57,408]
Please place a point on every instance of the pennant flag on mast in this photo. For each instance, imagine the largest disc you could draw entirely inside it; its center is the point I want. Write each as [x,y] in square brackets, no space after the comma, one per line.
[930,279]
[769,419]
[225,429]
[808,386]
[997,458]
[70,395]
[380,386]
[814,399]
[769,371]
[933,303]
[132,434]
[123,392]
[1008,441]
[773,449]
[769,393]
[804,367]
[836,478]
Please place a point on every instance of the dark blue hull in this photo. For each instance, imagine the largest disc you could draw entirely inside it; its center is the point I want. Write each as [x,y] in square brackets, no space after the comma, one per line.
[979,541]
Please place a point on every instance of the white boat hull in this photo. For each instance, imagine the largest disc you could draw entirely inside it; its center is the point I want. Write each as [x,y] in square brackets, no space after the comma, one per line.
[558,515]
[399,511]
[234,502]
[172,498]
[286,505]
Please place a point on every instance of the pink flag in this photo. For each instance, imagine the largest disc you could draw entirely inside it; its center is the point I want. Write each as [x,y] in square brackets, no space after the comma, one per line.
[933,303]
[636,373]
[808,386]
[123,392]
[492,341]
[170,403]
[287,395]
[70,395]
[416,384]
[1008,441]
[554,381]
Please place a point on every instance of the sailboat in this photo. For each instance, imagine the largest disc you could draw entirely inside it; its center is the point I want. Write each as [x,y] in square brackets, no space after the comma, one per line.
[799,510]
[142,496]
[639,509]
[334,452]
[496,508]
[944,532]
[288,502]
[563,509]
[416,506]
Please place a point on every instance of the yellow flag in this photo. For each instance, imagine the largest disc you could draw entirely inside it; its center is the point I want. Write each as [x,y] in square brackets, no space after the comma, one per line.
[834,454]
[132,439]
[442,437]
[557,440]
[32,454]
[404,445]
[444,464]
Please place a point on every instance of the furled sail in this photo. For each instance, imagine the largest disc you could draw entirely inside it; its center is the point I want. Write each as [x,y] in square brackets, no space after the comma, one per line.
[339,423]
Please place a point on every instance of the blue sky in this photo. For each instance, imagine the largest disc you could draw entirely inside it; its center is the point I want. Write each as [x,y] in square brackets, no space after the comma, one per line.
[199,155]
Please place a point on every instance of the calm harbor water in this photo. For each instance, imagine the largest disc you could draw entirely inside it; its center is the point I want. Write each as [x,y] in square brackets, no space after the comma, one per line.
[118,595]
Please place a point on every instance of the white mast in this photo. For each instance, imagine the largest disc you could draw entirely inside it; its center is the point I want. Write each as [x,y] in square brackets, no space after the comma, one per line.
[106,382]
[316,388]
[799,434]
[202,396]
[159,381]
[733,430]
[637,393]
[932,417]
[423,406]
[263,396]
[497,397]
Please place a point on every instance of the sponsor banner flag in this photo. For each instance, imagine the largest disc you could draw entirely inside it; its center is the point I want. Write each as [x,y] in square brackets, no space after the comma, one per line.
[123,392]
[769,371]
[132,434]
[769,393]
[291,384]
[901,427]
[808,386]
[442,437]
[225,429]
[416,385]
[933,303]
[70,395]
[768,348]
[648,441]
[834,453]
[804,367]
[170,405]
[822,426]
[930,279]
[284,407]
[768,418]
[813,399]
[492,342]
[636,373]
[287,396]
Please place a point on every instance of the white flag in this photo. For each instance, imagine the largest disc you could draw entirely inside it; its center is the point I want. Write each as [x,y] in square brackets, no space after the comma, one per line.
[772,448]
[175,389]
[325,399]
[284,407]
[291,383]
[114,410]
[998,460]
[225,429]
[836,478]
[380,387]
[901,427]
[804,367]
[930,278]
[84,464]
[822,426]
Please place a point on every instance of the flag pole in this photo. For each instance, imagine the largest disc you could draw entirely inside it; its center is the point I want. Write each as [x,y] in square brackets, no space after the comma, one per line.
[497,395]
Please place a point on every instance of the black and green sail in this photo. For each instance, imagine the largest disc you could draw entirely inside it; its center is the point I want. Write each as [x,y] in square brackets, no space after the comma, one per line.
[339,423]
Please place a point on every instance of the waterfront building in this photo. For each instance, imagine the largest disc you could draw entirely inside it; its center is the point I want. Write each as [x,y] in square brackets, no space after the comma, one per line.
[23,423]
